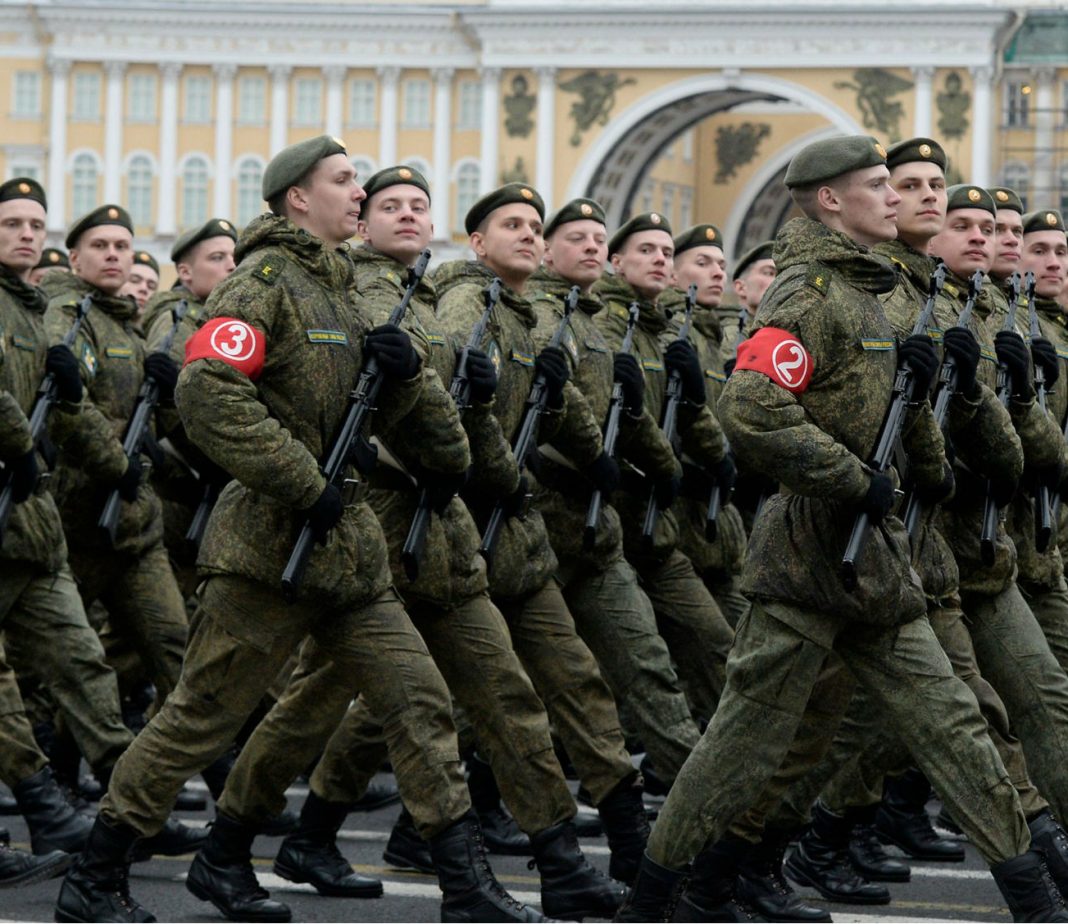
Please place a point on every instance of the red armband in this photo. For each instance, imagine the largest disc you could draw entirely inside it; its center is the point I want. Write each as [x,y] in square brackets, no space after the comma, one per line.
[234,342]
[778,354]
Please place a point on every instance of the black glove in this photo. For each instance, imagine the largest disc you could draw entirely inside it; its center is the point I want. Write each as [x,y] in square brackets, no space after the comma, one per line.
[665,489]
[960,343]
[64,368]
[482,376]
[441,487]
[1012,353]
[24,474]
[1047,476]
[515,503]
[165,371]
[552,365]
[604,473]
[931,494]
[918,354]
[879,499]
[131,479]
[628,373]
[1003,491]
[680,356]
[1045,358]
[393,349]
[324,514]
[725,473]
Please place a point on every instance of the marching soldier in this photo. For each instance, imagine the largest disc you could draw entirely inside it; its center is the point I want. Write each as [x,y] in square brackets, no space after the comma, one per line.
[51,259]
[142,283]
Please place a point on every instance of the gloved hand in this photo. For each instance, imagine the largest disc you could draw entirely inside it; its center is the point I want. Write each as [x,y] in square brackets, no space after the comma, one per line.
[393,349]
[960,343]
[61,363]
[604,473]
[879,498]
[1003,492]
[1048,476]
[665,489]
[1044,355]
[918,354]
[552,365]
[680,356]
[441,487]
[931,494]
[324,514]
[628,373]
[24,472]
[131,479]
[516,502]
[725,473]
[482,376]
[1013,354]
[165,371]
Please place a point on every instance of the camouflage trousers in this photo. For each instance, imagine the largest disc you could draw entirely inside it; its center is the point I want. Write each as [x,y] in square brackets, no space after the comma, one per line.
[20,757]
[730,600]
[242,634]
[472,649]
[772,680]
[1050,606]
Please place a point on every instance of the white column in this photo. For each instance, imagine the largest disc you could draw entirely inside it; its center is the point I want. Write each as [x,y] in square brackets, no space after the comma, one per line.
[166,223]
[387,119]
[1042,179]
[335,83]
[224,136]
[116,71]
[441,192]
[279,105]
[57,146]
[489,154]
[546,137]
[982,119]
[921,123]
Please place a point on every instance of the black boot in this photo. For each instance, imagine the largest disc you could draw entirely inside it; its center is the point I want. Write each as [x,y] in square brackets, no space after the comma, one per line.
[902,820]
[20,868]
[222,874]
[470,891]
[377,796]
[8,805]
[499,828]
[868,853]
[97,887]
[623,816]
[1028,888]
[762,885]
[821,860]
[406,848]
[310,854]
[52,820]
[1051,840]
[571,889]
[711,894]
[653,783]
[172,840]
[285,822]
[655,892]
[189,800]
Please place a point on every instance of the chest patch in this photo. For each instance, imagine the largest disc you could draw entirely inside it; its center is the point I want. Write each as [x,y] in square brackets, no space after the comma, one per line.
[434,339]
[988,354]
[715,376]
[651,364]
[524,359]
[780,356]
[570,344]
[493,353]
[881,346]
[88,359]
[328,336]
[23,343]
[118,352]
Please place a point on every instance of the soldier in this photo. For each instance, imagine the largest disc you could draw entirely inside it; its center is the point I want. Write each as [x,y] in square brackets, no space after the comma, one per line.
[51,259]
[753,273]
[142,282]
[802,407]
[262,394]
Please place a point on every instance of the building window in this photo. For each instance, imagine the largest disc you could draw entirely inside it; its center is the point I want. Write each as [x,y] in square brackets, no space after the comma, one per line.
[31,171]
[84,182]
[198,98]
[1017,176]
[1064,190]
[667,202]
[86,96]
[687,147]
[27,94]
[416,103]
[142,97]
[249,190]
[363,167]
[470,115]
[417,163]
[468,178]
[194,192]
[362,103]
[139,190]
[1017,103]
[685,208]
[309,101]
[251,100]
[1064,104]
[647,196]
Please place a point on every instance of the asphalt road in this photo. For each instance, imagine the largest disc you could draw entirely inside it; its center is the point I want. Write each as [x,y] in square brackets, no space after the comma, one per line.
[937,892]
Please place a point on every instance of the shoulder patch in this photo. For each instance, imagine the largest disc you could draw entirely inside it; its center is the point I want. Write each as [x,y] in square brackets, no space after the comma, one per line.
[950,289]
[234,342]
[818,277]
[715,376]
[434,339]
[88,359]
[988,354]
[779,355]
[268,270]
[1062,353]
[620,312]
[327,336]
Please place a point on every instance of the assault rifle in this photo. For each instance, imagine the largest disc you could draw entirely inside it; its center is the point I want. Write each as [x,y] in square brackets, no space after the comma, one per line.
[1043,507]
[199,523]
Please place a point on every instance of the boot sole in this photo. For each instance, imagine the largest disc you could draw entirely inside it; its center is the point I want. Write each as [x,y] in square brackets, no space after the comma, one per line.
[50,870]
[915,855]
[292,875]
[802,879]
[205,896]
[398,862]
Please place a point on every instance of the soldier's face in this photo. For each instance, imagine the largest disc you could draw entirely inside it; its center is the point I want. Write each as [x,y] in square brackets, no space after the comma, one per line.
[397,222]
[966,243]
[922,209]
[22,235]
[1045,253]
[578,251]
[510,242]
[867,206]
[206,265]
[103,257]
[1008,238]
[646,262]
[751,286]
[329,207]
[141,284]
[705,266]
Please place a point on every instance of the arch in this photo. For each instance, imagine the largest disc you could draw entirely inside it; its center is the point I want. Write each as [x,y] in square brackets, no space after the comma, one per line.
[134,155]
[81,154]
[364,165]
[197,155]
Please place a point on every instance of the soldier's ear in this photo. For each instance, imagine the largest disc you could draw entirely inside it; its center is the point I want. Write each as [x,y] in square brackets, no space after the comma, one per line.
[739,288]
[828,199]
[616,260]
[297,200]
[477,243]
[361,229]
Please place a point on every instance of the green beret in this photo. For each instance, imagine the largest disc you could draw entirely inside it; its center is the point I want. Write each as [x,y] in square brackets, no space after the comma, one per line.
[216,227]
[699,236]
[762,251]
[104,215]
[830,158]
[144,258]
[576,210]
[1006,198]
[1043,220]
[52,256]
[395,176]
[916,150]
[22,187]
[505,195]
[646,221]
[965,196]
[290,165]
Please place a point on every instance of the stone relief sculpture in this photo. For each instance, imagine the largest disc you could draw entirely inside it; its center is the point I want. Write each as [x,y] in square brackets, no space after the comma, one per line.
[597,97]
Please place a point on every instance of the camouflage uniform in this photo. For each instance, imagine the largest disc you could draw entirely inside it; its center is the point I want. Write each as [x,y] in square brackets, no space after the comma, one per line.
[826,296]
[293,292]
